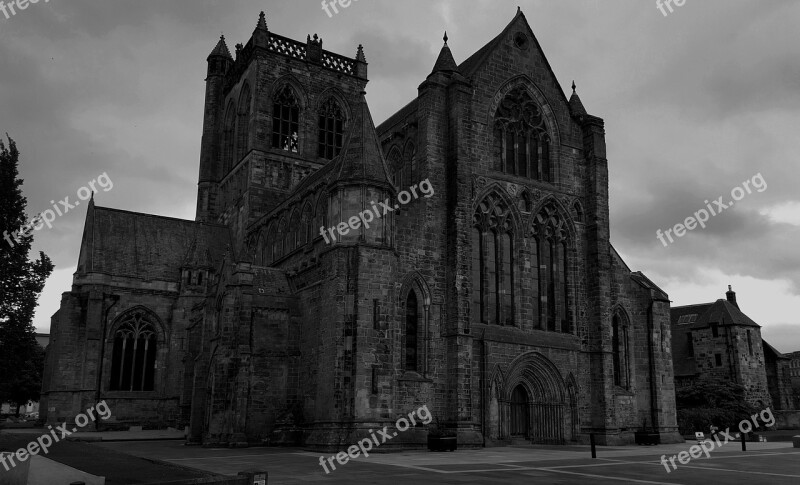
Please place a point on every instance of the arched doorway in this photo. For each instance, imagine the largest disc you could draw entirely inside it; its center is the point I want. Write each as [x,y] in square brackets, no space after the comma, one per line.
[520,418]
[535,401]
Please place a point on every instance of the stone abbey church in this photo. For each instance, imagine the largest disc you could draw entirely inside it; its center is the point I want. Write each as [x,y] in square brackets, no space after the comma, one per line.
[498,302]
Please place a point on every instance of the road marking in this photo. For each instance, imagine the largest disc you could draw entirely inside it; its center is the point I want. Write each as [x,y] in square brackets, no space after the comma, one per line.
[606,477]
[221,457]
[711,469]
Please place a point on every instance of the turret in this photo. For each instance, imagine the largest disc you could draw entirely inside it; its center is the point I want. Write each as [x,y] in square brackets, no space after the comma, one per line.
[219,61]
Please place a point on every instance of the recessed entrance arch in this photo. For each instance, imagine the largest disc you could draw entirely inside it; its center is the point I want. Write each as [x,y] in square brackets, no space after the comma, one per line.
[535,402]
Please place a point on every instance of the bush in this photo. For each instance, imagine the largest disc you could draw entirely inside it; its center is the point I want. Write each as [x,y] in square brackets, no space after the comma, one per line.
[707,402]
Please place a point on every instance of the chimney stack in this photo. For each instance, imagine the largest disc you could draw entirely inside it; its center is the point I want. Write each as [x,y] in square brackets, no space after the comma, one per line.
[732,296]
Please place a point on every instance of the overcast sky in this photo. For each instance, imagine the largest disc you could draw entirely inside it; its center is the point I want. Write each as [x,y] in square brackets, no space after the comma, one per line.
[695,103]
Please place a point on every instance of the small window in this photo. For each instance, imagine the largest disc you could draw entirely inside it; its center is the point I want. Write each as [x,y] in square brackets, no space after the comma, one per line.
[718,359]
[411,332]
[749,343]
[715,330]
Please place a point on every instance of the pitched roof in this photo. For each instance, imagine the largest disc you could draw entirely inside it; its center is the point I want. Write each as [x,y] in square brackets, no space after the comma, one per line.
[473,62]
[685,319]
[645,282]
[399,116]
[770,349]
[445,61]
[721,311]
[362,157]
[145,246]
[221,49]
[575,104]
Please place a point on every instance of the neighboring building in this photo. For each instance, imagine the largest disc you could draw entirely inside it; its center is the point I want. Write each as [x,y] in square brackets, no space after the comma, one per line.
[794,376]
[779,377]
[717,340]
[497,301]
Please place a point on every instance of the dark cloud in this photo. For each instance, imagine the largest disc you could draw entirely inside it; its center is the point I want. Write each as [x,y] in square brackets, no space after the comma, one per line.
[694,104]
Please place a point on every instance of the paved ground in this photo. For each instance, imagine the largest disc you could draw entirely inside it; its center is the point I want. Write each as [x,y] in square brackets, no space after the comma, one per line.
[772,463]
[144,435]
[117,466]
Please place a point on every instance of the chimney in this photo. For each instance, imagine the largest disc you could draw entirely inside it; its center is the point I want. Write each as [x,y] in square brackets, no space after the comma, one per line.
[732,296]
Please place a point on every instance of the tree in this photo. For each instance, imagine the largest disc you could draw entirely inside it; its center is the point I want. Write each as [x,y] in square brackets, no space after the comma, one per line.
[21,282]
[708,401]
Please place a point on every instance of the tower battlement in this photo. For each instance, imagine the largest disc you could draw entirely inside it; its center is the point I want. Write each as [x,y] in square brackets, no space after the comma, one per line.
[309,51]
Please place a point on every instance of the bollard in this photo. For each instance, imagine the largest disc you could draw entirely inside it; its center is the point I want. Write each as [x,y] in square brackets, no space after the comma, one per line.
[591,441]
[744,442]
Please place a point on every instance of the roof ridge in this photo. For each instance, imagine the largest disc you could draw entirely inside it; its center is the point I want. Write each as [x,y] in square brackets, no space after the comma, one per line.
[169,218]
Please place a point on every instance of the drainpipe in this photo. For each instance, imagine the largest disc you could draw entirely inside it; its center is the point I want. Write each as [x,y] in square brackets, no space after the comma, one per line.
[115,299]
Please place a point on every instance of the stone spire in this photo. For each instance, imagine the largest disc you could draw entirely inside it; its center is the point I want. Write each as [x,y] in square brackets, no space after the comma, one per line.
[221,50]
[445,62]
[575,104]
[362,158]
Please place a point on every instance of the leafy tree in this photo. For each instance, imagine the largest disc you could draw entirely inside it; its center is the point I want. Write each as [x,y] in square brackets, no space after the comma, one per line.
[707,401]
[21,282]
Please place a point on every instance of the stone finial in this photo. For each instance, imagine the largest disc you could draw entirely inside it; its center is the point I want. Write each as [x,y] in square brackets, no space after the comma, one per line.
[445,37]
[262,21]
[360,54]
[573,87]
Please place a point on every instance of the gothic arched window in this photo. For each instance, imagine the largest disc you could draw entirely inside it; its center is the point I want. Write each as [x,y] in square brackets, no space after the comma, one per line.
[229,138]
[320,215]
[278,247]
[619,349]
[395,160]
[552,278]
[133,359]
[331,130]
[492,263]
[260,251]
[243,125]
[409,159]
[521,139]
[285,120]
[294,229]
[307,226]
[411,329]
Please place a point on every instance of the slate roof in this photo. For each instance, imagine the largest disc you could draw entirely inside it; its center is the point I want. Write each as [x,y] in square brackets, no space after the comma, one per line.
[149,247]
[221,49]
[362,157]
[721,311]
[399,116]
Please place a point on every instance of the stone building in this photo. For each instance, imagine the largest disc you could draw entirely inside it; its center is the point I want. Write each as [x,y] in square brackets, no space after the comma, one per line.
[487,288]
[717,340]
[794,377]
